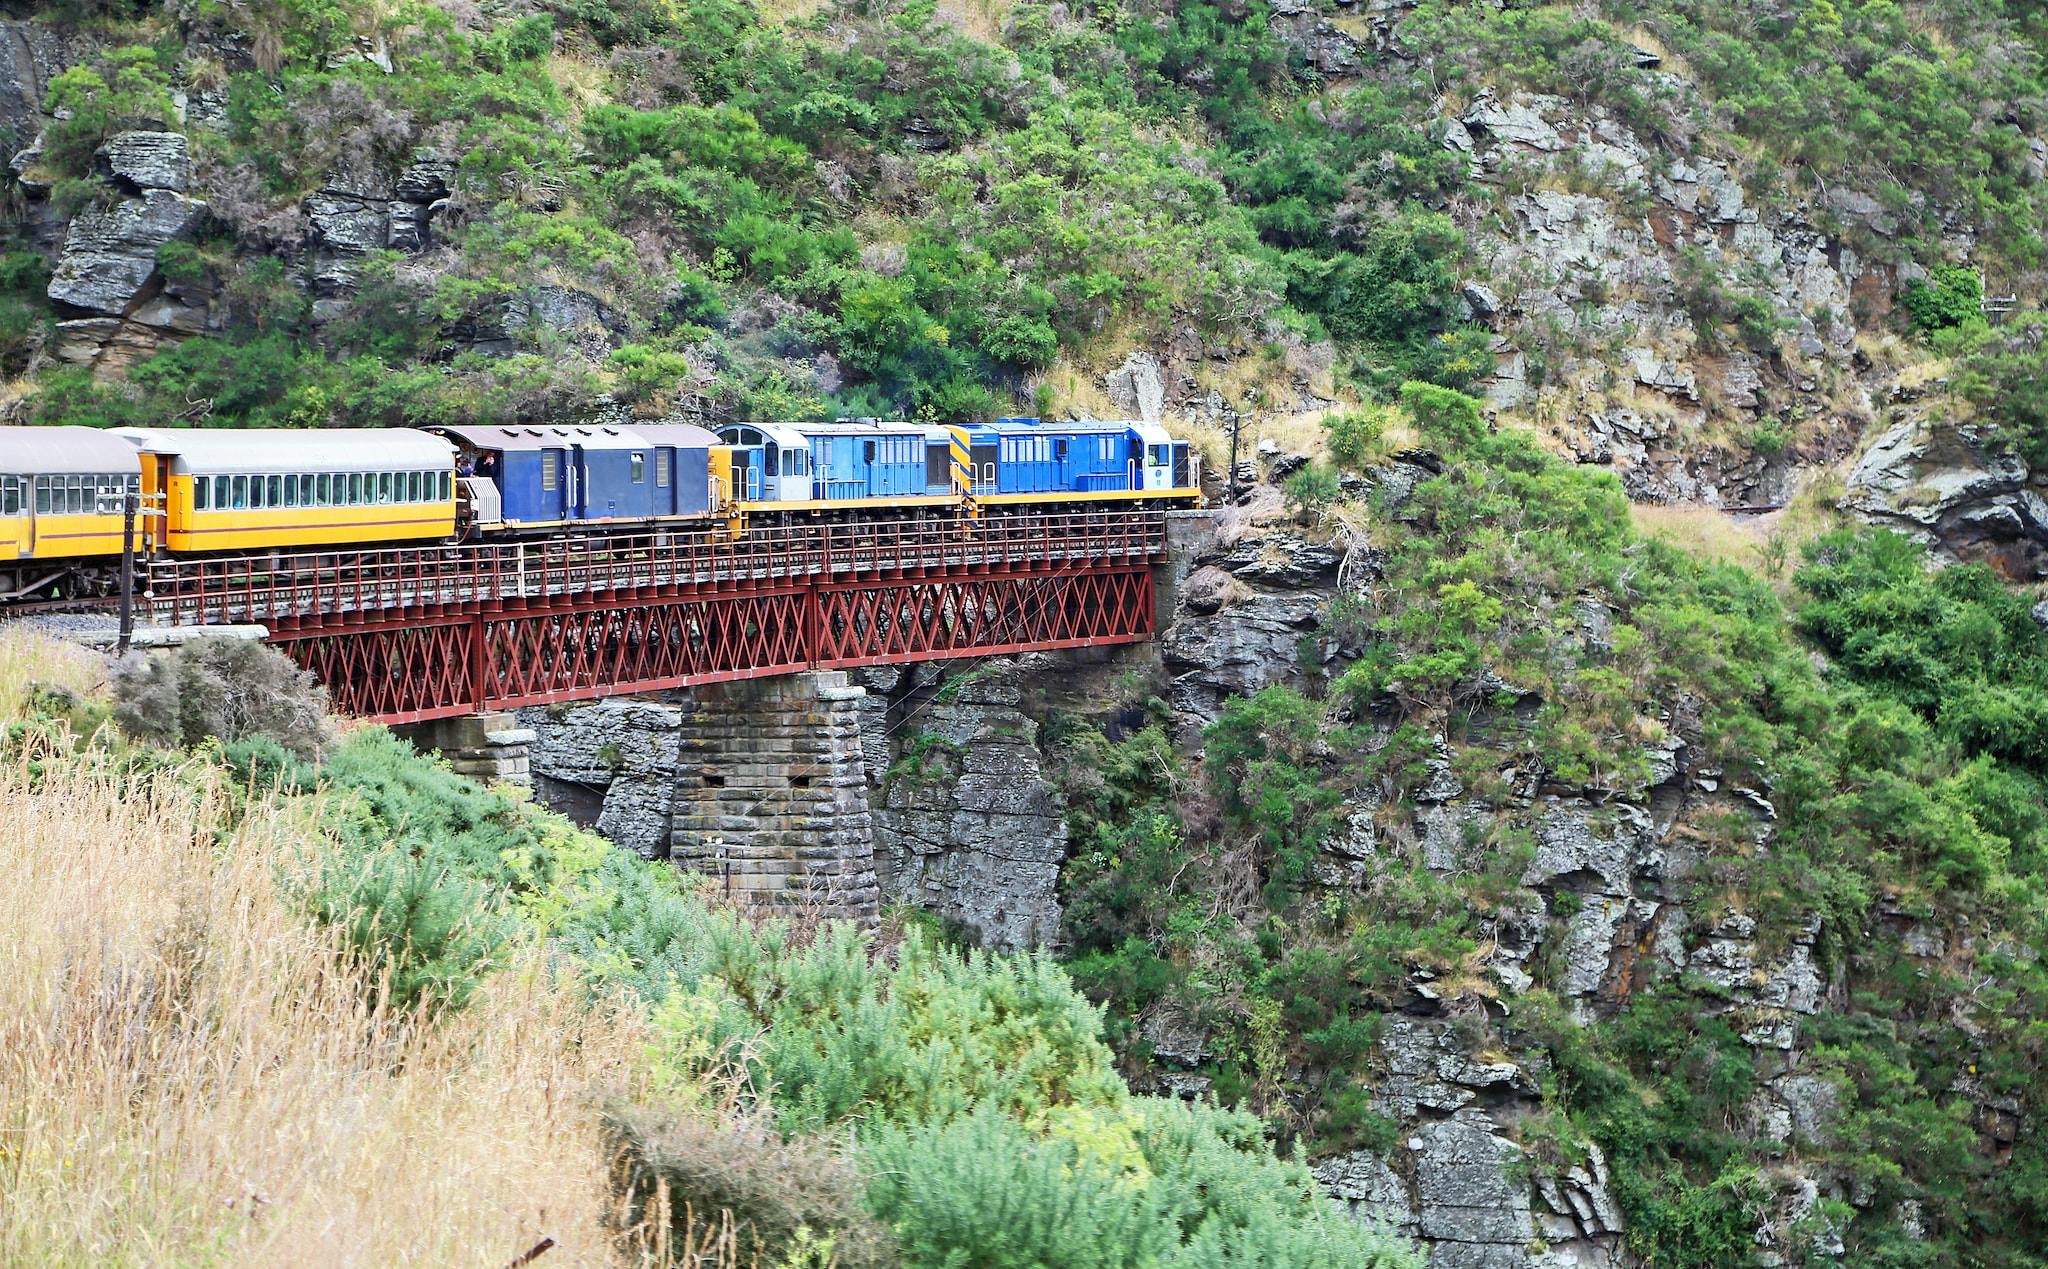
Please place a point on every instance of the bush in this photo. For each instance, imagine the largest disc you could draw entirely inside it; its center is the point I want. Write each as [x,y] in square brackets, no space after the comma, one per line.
[1444,417]
[223,688]
[1353,438]
[1170,1185]
[1312,488]
[779,1197]
[1950,296]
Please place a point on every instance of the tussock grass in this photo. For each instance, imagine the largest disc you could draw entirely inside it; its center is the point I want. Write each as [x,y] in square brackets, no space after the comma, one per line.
[192,1073]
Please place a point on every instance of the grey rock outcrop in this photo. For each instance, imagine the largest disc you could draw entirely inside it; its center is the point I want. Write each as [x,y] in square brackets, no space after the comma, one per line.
[1458,1181]
[110,253]
[1958,488]
[138,161]
[965,823]
[610,765]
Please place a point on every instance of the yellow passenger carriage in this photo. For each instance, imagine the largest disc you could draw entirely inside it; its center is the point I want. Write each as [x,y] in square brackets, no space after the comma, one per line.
[234,490]
[61,490]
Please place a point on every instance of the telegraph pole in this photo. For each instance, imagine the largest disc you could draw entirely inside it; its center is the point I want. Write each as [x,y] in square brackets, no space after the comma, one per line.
[1236,423]
[129,508]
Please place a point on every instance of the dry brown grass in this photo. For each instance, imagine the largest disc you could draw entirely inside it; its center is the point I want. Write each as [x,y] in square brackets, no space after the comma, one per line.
[190,1073]
[30,658]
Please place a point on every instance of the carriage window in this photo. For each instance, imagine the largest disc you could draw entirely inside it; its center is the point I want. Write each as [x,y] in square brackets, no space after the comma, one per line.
[276,492]
[447,490]
[1059,450]
[549,475]
[323,490]
[10,496]
[661,457]
[238,492]
[639,466]
[291,491]
[202,492]
[412,486]
[42,495]
[869,450]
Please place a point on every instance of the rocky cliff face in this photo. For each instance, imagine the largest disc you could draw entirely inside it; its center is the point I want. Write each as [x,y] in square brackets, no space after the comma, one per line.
[965,824]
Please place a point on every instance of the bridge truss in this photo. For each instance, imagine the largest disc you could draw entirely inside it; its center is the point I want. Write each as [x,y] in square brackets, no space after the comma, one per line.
[409,634]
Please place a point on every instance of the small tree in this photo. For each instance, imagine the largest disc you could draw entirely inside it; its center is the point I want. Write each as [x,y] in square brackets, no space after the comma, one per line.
[125,89]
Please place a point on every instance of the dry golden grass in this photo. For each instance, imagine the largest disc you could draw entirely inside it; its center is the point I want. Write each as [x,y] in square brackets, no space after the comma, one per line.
[190,1074]
[31,658]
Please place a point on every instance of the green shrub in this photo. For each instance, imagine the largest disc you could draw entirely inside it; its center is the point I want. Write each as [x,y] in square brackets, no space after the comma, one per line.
[1174,1185]
[221,687]
[1951,295]
[1353,437]
[123,89]
[1444,417]
[1311,488]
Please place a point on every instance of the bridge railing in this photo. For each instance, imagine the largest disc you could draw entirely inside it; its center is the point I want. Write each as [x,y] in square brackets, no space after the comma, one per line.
[301,586]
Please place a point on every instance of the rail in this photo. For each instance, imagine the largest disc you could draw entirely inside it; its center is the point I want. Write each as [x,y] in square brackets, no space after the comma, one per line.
[510,576]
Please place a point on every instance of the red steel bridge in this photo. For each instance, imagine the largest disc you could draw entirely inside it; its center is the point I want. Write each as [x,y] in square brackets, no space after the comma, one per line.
[416,633]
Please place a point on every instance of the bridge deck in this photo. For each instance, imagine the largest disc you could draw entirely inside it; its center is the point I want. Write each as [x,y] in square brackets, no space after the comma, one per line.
[415,633]
[347,588]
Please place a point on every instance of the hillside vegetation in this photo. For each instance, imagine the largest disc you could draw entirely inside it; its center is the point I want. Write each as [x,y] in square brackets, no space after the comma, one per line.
[922,210]
[260,1011]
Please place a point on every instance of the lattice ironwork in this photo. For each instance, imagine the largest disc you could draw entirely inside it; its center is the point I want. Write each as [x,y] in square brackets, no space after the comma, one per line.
[433,581]
[599,643]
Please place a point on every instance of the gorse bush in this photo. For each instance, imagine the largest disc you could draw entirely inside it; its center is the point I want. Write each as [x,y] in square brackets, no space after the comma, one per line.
[225,688]
[1170,1184]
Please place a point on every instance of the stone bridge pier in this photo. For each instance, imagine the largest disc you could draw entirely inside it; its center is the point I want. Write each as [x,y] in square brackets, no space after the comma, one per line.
[759,784]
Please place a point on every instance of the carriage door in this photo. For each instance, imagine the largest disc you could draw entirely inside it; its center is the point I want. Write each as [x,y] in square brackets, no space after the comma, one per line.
[557,476]
[579,482]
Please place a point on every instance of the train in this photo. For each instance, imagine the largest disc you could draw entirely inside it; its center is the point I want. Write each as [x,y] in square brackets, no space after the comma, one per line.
[212,491]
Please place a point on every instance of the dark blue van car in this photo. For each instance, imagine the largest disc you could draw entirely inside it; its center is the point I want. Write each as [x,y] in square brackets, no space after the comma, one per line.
[555,475]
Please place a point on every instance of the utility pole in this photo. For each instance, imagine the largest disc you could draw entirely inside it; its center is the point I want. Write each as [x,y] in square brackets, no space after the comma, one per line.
[129,508]
[1236,422]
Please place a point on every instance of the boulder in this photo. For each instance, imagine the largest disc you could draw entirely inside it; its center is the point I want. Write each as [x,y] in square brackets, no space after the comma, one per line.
[138,161]
[110,252]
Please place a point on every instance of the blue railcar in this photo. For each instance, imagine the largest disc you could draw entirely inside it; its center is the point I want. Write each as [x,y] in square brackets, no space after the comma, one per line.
[830,462]
[867,460]
[680,458]
[1040,457]
[530,477]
